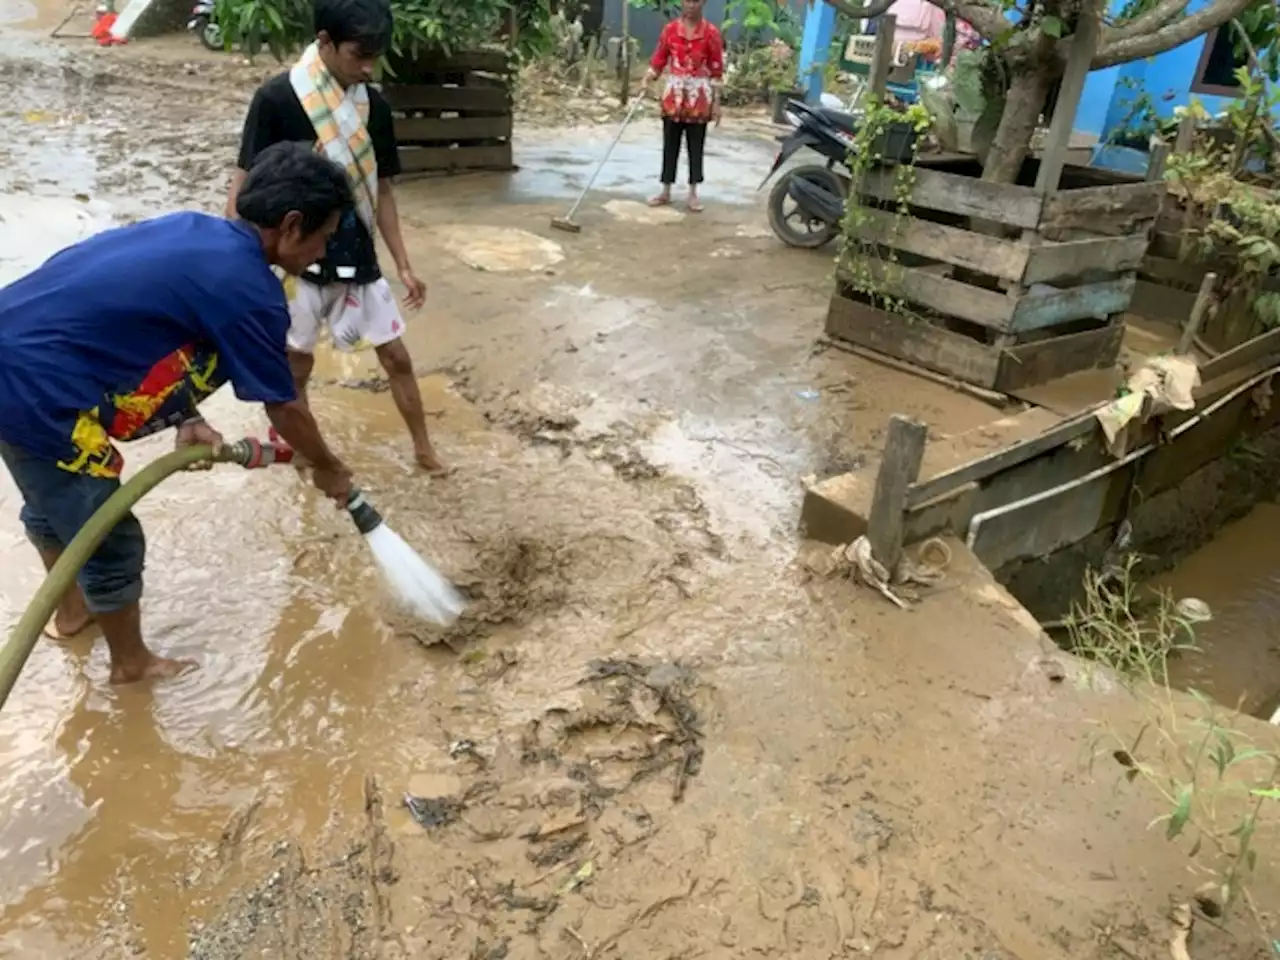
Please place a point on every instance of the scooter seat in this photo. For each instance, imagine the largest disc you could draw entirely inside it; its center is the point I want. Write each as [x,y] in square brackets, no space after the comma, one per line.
[845,122]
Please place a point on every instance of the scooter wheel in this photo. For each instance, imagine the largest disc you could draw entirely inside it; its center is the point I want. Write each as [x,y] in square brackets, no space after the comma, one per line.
[210,34]
[790,223]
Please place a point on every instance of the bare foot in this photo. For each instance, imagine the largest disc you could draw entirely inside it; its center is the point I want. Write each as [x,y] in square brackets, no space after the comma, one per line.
[661,200]
[153,668]
[430,462]
[695,205]
[66,626]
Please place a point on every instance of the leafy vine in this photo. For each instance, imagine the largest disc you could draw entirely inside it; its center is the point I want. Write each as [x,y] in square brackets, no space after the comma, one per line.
[888,136]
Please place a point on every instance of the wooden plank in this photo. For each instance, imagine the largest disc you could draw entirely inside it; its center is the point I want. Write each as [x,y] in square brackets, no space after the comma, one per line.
[1259,348]
[1046,360]
[1173,272]
[964,248]
[899,468]
[1051,307]
[955,193]
[1185,137]
[1198,311]
[493,100]
[1063,261]
[451,129]
[882,57]
[429,159]
[1080,50]
[1039,529]
[1120,210]
[461,61]
[917,342]
[1066,432]
[1156,302]
[948,297]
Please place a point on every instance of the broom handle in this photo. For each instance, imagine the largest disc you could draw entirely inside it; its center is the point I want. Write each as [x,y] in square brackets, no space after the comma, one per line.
[605,159]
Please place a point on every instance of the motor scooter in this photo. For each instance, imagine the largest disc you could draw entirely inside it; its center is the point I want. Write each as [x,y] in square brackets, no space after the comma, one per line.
[204,24]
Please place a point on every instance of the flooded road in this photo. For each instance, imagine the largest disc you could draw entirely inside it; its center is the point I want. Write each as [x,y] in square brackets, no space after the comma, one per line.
[651,707]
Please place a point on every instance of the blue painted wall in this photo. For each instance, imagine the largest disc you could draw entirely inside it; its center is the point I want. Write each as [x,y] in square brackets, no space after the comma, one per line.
[1109,95]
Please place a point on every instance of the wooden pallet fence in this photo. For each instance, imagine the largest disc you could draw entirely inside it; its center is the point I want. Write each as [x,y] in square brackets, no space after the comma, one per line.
[1169,277]
[996,312]
[453,114]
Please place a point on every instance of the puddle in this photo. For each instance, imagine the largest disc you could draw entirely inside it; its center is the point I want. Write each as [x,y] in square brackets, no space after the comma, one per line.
[33,228]
[501,249]
[637,212]
[1238,575]
[551,167]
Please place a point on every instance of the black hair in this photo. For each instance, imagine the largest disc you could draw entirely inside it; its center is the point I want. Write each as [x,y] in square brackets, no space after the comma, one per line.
[292,176]
[364,22]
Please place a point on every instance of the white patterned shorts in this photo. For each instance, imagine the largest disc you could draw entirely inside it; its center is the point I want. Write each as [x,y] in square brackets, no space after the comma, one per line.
[357,317]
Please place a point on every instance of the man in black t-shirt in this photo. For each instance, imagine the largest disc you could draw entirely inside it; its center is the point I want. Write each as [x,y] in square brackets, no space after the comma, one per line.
[326,100]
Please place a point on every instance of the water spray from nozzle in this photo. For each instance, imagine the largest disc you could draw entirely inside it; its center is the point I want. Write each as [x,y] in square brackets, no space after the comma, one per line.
[416,585]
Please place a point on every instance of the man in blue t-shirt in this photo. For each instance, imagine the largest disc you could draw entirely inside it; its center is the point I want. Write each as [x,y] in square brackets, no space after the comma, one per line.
[124,334]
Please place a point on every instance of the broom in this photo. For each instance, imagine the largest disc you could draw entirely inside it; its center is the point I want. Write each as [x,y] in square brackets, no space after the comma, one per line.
[566,222]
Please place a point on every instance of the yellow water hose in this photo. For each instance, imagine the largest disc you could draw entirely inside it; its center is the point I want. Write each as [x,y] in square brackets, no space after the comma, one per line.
[26,634]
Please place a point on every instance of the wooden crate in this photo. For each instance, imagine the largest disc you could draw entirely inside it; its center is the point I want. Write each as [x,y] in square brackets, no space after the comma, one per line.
[996,312]
[453,113]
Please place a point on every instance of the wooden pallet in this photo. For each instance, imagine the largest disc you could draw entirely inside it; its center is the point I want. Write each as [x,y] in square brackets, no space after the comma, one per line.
[453,114]
[996,312]
[1167,286]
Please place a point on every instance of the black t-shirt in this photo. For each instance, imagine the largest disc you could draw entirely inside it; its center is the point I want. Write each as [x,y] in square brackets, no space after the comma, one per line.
[276,116]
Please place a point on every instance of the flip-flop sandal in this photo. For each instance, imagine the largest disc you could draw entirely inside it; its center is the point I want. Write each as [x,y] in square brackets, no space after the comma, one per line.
[696,207]
[660,202]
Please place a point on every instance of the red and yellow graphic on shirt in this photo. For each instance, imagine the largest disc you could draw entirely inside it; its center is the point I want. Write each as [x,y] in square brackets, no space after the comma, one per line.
[167,394]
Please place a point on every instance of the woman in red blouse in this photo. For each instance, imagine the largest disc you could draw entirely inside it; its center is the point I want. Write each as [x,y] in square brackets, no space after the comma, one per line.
[692,53]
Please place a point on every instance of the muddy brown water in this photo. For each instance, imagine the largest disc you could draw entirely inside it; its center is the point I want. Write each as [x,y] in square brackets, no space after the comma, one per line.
[1237,660]
[629,423]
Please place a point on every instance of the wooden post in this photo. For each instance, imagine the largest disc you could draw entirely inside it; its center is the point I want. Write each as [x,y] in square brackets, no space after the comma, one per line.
[1156,161]
[1203,300]
[948,41]
[624,55]
[882,59]
[1186,135]
[1084,43]
[899,468]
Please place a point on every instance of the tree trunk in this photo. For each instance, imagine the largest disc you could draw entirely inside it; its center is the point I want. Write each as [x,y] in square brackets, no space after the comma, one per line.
[1022,109]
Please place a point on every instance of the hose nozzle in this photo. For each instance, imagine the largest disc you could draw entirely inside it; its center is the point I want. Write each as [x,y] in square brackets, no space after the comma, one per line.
[366,518]
[252,454]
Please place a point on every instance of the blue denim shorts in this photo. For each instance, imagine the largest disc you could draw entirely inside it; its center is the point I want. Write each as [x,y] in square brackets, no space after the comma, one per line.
[56,504]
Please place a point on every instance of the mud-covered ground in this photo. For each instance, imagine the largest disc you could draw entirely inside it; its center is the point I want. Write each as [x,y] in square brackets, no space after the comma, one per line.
[655,734]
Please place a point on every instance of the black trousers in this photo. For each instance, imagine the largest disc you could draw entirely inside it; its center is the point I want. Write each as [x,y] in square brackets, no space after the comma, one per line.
[672,131]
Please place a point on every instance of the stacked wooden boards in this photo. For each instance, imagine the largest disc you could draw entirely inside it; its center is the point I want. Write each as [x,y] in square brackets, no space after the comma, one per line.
[452,113]
[1036,293]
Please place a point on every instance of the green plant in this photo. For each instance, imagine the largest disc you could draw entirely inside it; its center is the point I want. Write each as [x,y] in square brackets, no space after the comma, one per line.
[868,258]
[1214,784]
[753,74]
[1110,627]
[762,21]
[284,26]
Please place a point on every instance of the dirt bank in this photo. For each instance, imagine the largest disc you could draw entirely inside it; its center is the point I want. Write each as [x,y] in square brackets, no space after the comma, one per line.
[656,735]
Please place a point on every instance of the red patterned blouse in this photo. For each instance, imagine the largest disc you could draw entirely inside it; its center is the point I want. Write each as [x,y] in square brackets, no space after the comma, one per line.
[693,64]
